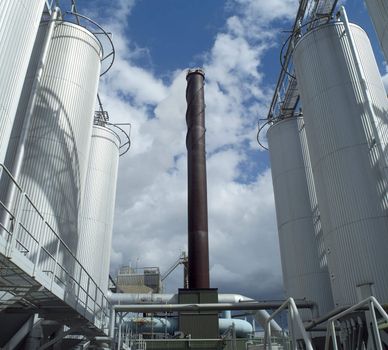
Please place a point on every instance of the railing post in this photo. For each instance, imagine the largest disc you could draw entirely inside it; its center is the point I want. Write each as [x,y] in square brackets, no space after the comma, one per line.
[16,225]
[87,296]
[55,264]
[327,339]
[292,318]
[95,298]
[79,282]
[37,257]
[269,335]
[374,325]
[333,335]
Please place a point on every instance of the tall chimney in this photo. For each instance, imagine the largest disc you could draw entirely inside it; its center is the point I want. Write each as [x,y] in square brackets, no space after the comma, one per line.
[198,246]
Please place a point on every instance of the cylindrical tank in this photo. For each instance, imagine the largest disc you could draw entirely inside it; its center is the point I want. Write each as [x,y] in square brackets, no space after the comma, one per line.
[304,264]
[97,210]
[19,22]
[348,150]
[54,167]
[378,11]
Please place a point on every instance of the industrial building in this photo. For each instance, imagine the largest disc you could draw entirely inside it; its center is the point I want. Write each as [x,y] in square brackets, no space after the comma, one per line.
[327,132]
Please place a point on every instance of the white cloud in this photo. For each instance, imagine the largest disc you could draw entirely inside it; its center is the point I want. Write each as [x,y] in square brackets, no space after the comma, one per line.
[151,214]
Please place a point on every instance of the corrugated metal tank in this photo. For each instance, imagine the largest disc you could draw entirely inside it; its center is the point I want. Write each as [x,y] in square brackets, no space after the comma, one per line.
[348,150]
[55,163]
[378,11]
[304,264]
[19,22]
[97,211]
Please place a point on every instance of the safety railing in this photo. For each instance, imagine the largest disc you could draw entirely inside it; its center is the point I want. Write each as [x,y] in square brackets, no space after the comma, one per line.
[372,304]
[121,130]
[49,5]
[311,13]
[31,240]
[295,318]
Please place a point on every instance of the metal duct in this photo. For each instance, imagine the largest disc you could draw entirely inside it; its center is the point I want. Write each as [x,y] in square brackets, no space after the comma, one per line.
[97,210]
[346,110]
[19,22]
[304,263]
[198,246]
[378,11]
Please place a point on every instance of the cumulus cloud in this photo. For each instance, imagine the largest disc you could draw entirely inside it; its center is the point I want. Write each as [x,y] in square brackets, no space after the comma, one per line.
[151,215]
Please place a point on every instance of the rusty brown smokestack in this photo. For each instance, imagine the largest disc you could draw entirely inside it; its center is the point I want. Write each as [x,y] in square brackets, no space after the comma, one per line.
[198,246]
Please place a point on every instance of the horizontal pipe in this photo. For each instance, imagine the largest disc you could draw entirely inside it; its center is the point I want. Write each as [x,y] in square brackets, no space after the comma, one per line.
[140,298]
[324,318]
[261,315]
[155,298]
[205,307]
[242,328]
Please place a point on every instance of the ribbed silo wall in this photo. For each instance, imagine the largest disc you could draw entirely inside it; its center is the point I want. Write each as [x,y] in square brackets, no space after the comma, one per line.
[19,22]
[54,168]
[378,11]
[305,272]
[97,211]
[348,151]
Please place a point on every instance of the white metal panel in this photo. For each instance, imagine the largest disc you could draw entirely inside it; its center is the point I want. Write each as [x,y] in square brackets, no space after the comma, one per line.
[348,150]
[97,211]
[55,164]
[378,11]
[19,22]
[304,264]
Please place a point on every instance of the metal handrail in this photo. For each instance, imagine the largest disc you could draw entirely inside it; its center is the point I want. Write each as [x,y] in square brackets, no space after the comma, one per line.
[294,316]
[311,19]
[116,128]
[112,53]
[20,234]
[372,304]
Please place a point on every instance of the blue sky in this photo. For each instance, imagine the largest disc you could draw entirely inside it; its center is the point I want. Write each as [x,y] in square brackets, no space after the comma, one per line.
[237,42]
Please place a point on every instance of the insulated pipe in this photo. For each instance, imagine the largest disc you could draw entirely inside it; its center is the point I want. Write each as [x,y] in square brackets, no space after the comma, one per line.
[136,298]
[242,328]
[198,245]
[208,307]
[132,298]
[262,316]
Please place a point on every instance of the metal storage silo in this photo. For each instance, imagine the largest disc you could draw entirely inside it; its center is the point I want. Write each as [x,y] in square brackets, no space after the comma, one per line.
[19,22]
[54,167]
[346,126]
[97,210]
[304,264]
[378,11]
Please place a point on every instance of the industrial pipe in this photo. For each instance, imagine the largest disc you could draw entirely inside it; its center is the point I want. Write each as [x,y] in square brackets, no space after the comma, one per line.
[170,325]
[137,298]
[207,307]
[198,245]
[155,298]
